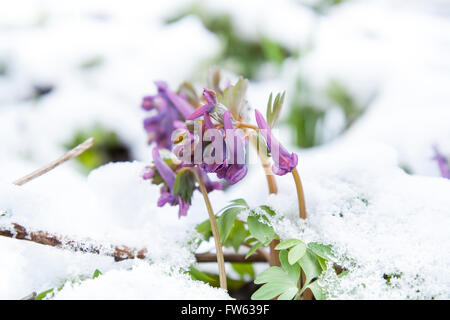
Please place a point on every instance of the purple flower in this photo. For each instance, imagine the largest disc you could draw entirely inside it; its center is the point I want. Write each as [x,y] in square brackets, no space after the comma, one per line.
[284,161]
[443,163]
[211,102]
[168,176]
[231,166]
[170,107]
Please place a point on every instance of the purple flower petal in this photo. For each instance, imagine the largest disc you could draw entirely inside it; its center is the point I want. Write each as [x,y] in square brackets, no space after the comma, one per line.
[442,163]
[164,170]
[284,161]
[200,111]
[181,104]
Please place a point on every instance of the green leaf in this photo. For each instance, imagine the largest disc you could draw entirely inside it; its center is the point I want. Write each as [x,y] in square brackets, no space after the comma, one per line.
[184,184]
[204,229]
[238,235]
[243,268]
[292,270]
[269,291]
[273,51]
[274,110]
[261,231]
[310,265]
[322,250]
[253,249]
[296,253]
[226,220]
[286,244]
[318,291]
[322,263]
[234,97]
[96,274]
[44,294]
[271,274]
[268,210]
[240,202]
[200,276]
[269,109]
[289,294]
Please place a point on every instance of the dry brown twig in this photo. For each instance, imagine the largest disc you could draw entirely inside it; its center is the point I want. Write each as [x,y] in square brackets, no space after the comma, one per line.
[52,165]
[119,253]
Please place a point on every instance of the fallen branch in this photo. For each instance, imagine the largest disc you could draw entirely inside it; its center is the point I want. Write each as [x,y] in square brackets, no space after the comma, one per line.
[119,253]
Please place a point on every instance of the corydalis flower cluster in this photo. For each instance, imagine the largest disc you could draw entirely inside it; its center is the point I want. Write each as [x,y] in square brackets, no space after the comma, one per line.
[216,148]
[207,139]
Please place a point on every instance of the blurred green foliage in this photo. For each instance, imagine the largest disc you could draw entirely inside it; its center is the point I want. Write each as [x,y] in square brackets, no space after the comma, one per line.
[239,54]
[321,6]
[107,148]
[92,62]
[309,107]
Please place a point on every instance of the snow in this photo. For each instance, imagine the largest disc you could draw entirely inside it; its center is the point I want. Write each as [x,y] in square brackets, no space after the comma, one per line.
[380,220]
[143,281]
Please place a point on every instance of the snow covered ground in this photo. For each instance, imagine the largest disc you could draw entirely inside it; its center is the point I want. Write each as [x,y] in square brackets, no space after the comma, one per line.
[384,221]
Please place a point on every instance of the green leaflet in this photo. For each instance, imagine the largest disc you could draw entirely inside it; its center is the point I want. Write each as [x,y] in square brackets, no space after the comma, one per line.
[279,281]
[243,269]
[184,184]
[204,229]
[237,236]
[317,291]
[253,249]
[310,265]
[322,250]
[97,273]
[286,244]
[274,110]
[296,253]
[261,231]
[234,97]
[226,221]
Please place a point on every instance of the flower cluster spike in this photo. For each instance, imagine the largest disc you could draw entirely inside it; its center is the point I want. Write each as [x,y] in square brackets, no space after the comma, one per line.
[208,137]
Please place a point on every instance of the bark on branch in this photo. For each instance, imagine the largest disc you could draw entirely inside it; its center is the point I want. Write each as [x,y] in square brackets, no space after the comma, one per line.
[119,253]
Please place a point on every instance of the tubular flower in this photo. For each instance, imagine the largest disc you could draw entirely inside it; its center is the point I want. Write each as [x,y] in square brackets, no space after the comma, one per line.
[442,163]
[170,107]
[163,173]
[168,178]
[211,102]
[231,165]
[284,161]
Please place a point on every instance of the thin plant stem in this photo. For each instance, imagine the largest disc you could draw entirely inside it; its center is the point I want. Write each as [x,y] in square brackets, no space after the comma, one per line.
[69,155]
[215,231]
[274,259]
[246,125]
[300,194]
[307,295]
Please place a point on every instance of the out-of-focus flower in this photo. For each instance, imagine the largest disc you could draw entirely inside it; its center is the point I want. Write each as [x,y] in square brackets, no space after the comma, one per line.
[284,161]
[170,107]
[442,163]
